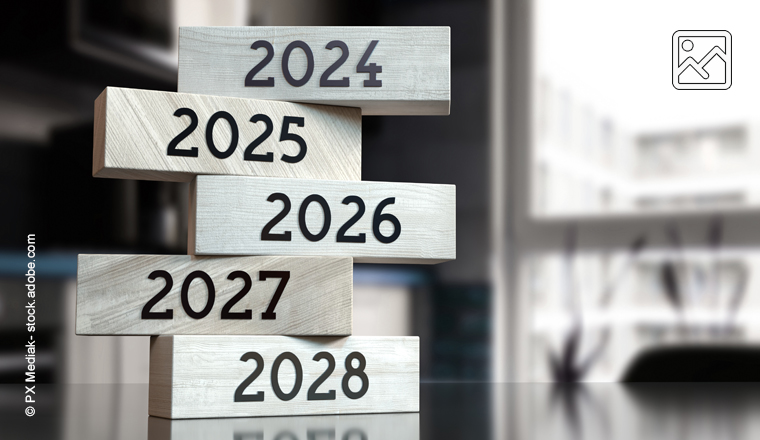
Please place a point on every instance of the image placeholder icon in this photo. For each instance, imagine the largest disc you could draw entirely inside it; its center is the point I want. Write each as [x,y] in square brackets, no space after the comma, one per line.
[702,60]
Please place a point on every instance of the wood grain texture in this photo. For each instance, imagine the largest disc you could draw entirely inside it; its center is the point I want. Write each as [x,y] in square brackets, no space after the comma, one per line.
[227,221]
[113,289]
[161,374]
[133,129]
[404,426]
[207,370]
[415,66]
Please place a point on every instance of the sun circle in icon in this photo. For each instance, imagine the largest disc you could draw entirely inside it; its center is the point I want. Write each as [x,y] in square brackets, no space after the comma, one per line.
[687,45]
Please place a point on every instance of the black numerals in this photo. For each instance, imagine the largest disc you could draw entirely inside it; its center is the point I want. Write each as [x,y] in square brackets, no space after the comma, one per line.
[309,64]
[227,312]
[373,69]
[312,394]
[172,150]
[168,313]
[320,434]
[325,80]
[248,153]
[227,151]
[247,284]
[284,277]
[285,135]
[210,291]
[377,219]
[311,434]
[325,222]
[269,82]
[266,233]
[276,379]
[342,237]
[359,372]
[248,435]
[210,135]
[355,434]
[258,397]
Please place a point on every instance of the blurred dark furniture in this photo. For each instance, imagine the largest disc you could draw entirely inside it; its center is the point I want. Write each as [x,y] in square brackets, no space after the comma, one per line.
[696,363]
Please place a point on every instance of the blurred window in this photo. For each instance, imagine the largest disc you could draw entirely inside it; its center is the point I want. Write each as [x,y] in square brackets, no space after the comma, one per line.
[619,153]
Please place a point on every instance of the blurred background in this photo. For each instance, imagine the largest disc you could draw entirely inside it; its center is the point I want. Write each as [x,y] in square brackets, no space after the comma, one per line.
[58,56]
[604,218]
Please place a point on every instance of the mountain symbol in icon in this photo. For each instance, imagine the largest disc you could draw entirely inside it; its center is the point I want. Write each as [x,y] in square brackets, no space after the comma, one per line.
[710,69]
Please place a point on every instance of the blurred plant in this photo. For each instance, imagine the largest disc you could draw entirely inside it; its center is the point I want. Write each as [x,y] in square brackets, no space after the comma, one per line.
[670,285]
[568,366]
[575,400]
[715,240]
[675,287]
[669,273]
[737,298]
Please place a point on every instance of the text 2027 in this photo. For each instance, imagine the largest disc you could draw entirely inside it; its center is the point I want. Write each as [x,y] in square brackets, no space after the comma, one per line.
[227,313]
[324,81]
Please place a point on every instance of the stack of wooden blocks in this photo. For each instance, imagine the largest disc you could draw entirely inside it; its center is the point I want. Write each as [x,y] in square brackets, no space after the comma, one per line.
[256,320]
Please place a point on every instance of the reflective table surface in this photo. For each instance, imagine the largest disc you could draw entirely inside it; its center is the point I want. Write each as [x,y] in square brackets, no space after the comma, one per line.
[447,411]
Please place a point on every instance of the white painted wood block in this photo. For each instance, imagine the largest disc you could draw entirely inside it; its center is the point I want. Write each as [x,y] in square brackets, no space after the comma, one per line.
[149,135]
[128,295]
[403,426]
[401,222]
[242,376]
[411,64]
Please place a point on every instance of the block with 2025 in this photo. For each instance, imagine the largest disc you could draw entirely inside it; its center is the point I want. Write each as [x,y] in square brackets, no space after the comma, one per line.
[149,135]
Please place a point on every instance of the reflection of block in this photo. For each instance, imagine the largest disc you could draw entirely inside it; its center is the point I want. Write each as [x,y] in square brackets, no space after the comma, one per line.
[242,376]
[257,216]
[349,427]
[410,64]
[135,133]
[114,294]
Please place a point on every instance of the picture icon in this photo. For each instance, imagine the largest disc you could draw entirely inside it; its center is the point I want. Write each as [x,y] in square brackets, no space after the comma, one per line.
[701,60]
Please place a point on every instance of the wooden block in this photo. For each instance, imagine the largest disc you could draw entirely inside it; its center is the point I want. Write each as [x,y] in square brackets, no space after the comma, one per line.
[257,216]
[405,426]
[242,376]
[148,135]
[128,295]
[322,65]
